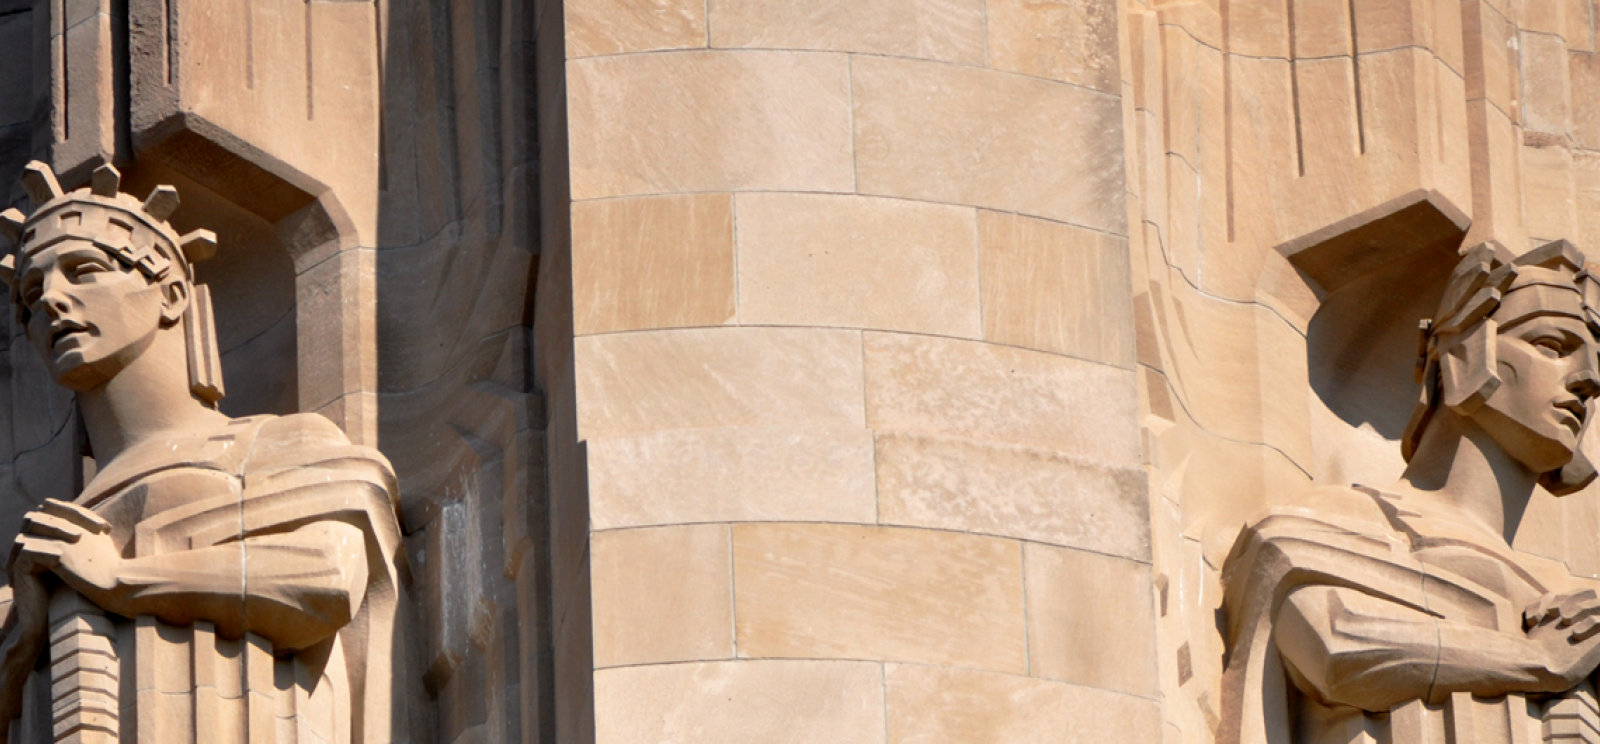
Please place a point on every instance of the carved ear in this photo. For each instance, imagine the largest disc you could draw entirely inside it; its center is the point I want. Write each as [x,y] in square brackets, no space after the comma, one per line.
[176,294]
[1580,472]
[1467,374]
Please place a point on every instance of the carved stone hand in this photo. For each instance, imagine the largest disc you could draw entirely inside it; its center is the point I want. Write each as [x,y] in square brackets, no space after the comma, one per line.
[73,542]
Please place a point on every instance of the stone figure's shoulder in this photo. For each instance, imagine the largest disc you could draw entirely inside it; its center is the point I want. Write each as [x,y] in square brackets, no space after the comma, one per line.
[303,440]
[1351,508]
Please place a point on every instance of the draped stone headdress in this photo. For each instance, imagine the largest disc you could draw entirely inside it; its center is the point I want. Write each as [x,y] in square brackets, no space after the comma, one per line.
[133,233]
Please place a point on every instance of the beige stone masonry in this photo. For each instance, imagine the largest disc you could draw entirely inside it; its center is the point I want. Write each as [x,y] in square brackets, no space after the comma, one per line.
[946,30]
[857,262]
[662,594]
[930,705]
[735,474]
[856,592]
[692,378]
[1090,619]
[1051,150]
[600,27]
[783,702]
[712,125]
[652,262]
[973,390]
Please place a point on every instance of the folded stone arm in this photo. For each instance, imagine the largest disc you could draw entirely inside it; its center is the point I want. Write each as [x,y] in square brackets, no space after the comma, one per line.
[1347,647]
[293,588]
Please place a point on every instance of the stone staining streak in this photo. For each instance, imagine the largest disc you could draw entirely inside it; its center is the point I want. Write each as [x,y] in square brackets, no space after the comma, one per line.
[1355,77]
[249,45]
[1294,92]
[311,89]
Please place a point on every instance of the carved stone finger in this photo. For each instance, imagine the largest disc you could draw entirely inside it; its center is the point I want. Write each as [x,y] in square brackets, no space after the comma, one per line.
[40,551]
[77,515]
[54,528]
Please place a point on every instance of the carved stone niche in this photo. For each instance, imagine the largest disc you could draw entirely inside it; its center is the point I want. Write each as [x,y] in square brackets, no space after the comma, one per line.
[1433,602]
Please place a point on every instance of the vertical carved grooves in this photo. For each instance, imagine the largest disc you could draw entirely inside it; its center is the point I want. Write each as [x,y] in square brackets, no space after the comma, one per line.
[1227,113]
[66,77]
[1355,77]
[379,64]
[1294,91]
[311,95]
[249,46]
[172,35]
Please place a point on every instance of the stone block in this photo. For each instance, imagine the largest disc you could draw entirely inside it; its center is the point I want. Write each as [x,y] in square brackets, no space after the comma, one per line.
[1074,41]
[1012,491]
[1322,29]
[782,702]
[1056,288]
[943,30]
[1091,619]
[949,387]
[691,378]
[713,123]
[1584,75]
[818,591]
[1048,149]
[662,594]
[1488,43]
[742,474]
[928,705]
[1546,87]
[857,262]
[1548,202]
[599,27]
[652,262]
[1258,28]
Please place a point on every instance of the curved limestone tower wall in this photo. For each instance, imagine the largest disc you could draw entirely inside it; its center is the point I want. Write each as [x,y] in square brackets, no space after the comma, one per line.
[847,445]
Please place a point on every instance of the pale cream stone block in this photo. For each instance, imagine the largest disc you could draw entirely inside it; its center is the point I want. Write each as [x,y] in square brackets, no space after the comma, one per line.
[857,262]
[743,474]
[1066,40]
[842,591]
[1091,619]
[1258,28]
[710,377]
[950,387]
[708,121]
[945,30]
[1584,73]
[597,27]
[1057,288]
[1012,491]
[662,594]
[941,706]
[1546,87]
[1047,149]
[773,702]
[1548,197]
[652,262]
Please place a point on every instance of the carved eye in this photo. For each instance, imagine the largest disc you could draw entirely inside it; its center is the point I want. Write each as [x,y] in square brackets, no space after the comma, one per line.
[1550,346]
[87,268]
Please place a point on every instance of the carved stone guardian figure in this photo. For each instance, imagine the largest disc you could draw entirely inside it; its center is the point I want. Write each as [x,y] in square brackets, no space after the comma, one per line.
[1402,614]
[218,579]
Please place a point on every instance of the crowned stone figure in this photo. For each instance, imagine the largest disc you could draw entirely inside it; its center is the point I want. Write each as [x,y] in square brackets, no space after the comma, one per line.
[1402,614]
[219,579]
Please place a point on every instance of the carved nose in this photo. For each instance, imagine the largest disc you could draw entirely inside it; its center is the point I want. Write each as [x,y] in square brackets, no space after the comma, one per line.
[1583,384]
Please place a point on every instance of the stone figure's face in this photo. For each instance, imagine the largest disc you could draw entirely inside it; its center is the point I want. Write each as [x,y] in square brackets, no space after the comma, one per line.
[87,314]
[1546,365]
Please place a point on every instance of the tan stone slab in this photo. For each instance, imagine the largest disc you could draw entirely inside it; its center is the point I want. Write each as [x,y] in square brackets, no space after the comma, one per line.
[1546,87]
[857,262]
[1054,287]
[781,702]
[949,387]
[1258,28]
[707,121]
[841,591]
[1584,74]
[743,474]
[1074,42]
[1091,619]
[596,27]
[652,262]
[1548,199]
[662,594]
[1032,494]
[708,377]
[945,30]
[990,139]
[928,705]
[1321,28]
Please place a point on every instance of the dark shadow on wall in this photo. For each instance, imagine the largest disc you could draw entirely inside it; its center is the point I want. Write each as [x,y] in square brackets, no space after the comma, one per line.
[460,415]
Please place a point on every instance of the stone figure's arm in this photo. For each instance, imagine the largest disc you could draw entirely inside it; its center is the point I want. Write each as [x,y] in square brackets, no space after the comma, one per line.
[292,588]
[1351,648]
[296,588]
